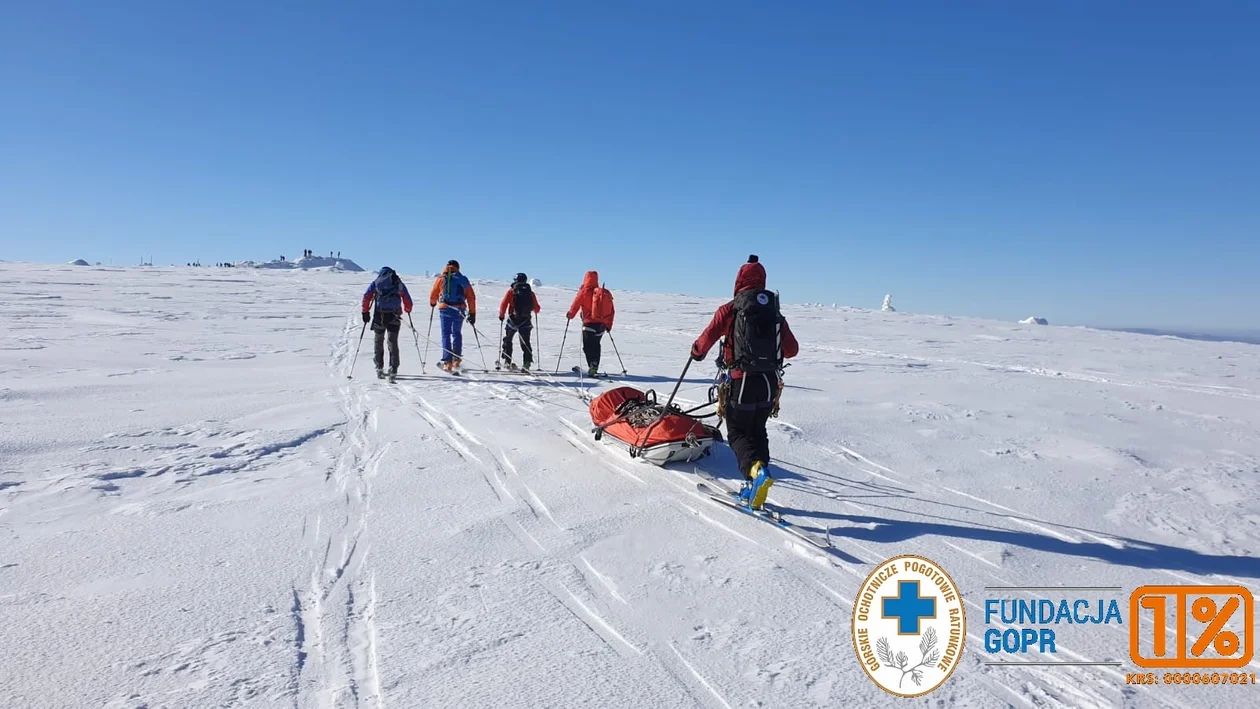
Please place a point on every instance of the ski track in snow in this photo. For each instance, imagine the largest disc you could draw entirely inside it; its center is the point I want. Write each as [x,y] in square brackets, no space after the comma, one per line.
[465,541]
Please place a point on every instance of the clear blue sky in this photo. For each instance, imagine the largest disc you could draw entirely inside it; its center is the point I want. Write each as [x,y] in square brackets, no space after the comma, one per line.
[1089,162]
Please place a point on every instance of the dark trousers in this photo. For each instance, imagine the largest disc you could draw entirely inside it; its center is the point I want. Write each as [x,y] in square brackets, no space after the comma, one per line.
[525,330]
[383,324]
[748,406]
[592,336]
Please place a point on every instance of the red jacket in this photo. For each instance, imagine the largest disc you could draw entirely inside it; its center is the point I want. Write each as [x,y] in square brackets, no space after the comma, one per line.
[752,276]
[507,303]
[584,301]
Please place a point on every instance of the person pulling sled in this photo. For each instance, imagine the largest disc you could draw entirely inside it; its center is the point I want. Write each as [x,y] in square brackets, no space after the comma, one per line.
[595,303]
[390,296]
[455,300]
[516,312]
[757,341]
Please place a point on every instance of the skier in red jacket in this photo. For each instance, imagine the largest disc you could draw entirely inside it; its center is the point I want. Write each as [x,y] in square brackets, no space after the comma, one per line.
[595,303]
[757,340]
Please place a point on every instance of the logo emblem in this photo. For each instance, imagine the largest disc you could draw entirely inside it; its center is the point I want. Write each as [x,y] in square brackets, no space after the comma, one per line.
[1211,626]
[763,299]
[909,626]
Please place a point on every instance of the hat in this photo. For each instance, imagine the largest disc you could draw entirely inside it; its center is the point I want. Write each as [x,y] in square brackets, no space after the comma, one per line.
[453,262]
[521,278]
[752,258]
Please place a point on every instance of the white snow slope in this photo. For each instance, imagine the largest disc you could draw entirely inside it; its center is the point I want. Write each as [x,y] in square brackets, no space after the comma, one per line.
[198,508]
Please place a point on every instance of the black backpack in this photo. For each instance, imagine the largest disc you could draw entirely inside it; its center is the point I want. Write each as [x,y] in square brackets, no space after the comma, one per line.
[755,335]
[522,302]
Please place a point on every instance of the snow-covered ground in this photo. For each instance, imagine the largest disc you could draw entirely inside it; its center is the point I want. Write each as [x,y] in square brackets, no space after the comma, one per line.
[198,508]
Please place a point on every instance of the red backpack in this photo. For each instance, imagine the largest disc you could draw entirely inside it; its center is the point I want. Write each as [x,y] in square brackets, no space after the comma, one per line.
[601,304]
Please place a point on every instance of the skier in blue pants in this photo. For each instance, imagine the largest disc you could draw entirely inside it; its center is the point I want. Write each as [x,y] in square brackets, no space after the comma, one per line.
[454,297]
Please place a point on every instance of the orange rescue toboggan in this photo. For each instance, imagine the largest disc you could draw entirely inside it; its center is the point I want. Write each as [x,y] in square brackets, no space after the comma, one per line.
[648,430]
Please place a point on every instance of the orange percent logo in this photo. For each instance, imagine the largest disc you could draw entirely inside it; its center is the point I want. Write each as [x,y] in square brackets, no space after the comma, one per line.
[1168,605]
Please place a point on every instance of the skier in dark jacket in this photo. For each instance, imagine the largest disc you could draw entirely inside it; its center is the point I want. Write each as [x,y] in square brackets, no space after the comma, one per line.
[390,295]
[516,311]
[756,343]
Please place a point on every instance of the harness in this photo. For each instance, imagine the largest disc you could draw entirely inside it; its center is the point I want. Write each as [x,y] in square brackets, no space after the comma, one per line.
[720,391]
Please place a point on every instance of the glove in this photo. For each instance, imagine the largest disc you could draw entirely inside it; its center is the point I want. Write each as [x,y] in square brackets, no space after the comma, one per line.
[472,319]
[695,355]
[407,308]
[500,318]
[366,317]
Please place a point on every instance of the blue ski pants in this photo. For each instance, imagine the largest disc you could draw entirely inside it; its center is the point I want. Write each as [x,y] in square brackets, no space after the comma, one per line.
[452,334]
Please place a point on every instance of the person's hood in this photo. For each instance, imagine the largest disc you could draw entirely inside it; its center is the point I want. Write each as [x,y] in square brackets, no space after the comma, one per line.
[385,271]
[752,276]
[591,280]
[450,269]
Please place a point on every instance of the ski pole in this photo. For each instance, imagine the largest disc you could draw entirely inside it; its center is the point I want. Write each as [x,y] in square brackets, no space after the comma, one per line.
[441,347]
[538,338]
[415,336]
[562,341]
[614,344]
[356,352]
[500,358]
[679,384]
[482,352]
[427,339]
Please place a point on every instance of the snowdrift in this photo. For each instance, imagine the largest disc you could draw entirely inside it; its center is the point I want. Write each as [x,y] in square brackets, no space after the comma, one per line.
[79,262]
[1034,321]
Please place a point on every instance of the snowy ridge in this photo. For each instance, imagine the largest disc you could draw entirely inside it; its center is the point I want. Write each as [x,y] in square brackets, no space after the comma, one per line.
[309,263]
[209,512]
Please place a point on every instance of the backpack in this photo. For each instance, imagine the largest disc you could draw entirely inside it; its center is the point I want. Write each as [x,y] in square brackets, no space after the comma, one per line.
[452,289]
[388,288]
[601,304]
[522,302]
[755,334]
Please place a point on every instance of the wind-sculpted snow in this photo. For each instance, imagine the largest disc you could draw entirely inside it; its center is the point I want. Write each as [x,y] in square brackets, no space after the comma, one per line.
[199,508]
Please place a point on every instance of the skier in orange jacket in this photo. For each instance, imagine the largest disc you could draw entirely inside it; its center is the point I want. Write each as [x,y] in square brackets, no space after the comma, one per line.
[453,295]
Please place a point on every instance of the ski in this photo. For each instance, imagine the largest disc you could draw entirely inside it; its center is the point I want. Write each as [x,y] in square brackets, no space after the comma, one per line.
[602,375]
[730,499]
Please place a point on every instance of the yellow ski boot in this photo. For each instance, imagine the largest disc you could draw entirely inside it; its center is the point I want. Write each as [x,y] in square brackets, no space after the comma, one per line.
[760,485]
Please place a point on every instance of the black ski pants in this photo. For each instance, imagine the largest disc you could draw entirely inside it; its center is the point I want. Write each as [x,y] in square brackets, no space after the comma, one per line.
[592,337]
[525,330]
[386,323]
[748,406]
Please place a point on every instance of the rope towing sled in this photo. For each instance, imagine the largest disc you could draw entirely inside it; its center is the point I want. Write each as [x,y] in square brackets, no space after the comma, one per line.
[657,433]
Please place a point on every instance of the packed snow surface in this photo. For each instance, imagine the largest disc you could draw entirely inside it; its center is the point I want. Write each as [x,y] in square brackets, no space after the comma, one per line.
[199,508]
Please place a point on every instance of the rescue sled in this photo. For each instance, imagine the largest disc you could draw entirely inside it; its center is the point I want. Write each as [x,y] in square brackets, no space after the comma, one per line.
[634,420]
